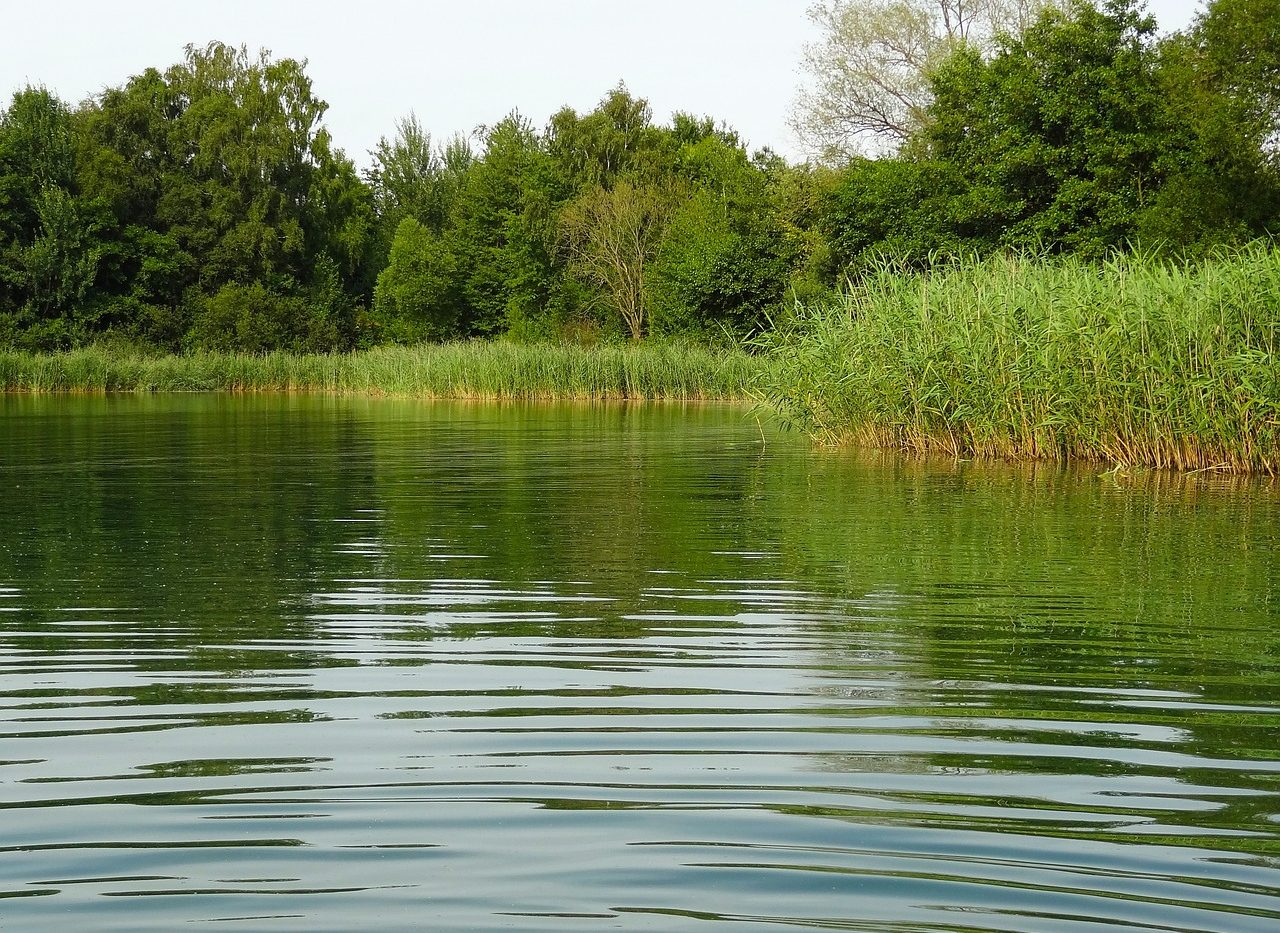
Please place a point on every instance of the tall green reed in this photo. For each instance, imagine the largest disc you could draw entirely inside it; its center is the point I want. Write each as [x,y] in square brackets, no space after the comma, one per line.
[490,370]
[1132,362]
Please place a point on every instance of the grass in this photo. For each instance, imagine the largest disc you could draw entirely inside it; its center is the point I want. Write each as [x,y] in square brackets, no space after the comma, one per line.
[1132,362]
[474,370]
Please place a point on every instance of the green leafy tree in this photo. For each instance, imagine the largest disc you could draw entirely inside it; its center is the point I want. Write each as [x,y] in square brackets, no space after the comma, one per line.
[616,139]
[726,260]
[504,231]
[1217,180]
[903,210]
[1222,88]
[1059,135]
[417,294]
[411,177]
[1083,133]
[50,249]
[254,319]
[1239,41]
[219,172]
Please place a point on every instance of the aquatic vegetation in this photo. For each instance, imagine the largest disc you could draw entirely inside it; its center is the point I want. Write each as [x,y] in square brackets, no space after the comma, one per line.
[1134,361]
[477,369]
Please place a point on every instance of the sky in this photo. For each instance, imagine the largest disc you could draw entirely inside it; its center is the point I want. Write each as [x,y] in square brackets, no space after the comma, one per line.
[456,64]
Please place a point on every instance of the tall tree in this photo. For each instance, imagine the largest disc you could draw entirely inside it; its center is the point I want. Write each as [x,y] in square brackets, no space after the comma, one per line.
[727,256]
[417,297]
[412,177]
[1240,43]
[50,246]
[611,141]
[221,174]
[503,229]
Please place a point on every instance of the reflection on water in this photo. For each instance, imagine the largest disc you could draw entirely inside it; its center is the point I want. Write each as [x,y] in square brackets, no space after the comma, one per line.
[330,665]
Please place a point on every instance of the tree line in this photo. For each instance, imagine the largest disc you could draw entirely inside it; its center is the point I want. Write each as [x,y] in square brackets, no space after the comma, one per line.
[205,206]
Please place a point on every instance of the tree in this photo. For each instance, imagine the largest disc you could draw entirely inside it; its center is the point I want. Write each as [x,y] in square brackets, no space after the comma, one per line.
[416,298]
[1219,173]
[905,210]
[612,235]
[871,70]
[411,177]
[50,235]
[503,230]
[219,172]
[1240,42]
[611,141]
[726,258]
[1061,136]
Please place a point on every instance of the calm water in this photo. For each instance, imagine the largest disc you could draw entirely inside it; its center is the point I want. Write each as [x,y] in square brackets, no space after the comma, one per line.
[326,665]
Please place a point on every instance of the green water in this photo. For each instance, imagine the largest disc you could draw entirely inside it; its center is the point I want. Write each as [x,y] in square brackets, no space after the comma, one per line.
[307,664]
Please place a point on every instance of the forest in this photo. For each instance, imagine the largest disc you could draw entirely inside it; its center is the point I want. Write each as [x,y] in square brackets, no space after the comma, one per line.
[204,206]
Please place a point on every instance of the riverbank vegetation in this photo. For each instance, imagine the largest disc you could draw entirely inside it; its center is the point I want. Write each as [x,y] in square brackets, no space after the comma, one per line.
[1131,361]
[203,210]
[471,370]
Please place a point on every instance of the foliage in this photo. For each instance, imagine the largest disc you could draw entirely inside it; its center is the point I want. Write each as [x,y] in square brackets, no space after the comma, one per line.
[255,319]
[166,201]
[1239,41]
[906,210]
[415,298]
[411,177]
[1083,133]
[1061,133]
[48,255]
[205,206]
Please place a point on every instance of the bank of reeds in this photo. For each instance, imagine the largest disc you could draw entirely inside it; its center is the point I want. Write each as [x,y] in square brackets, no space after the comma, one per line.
[1132,362]
[479,370]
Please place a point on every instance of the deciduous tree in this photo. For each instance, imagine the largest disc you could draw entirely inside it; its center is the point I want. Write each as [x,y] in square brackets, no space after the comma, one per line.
[612,235]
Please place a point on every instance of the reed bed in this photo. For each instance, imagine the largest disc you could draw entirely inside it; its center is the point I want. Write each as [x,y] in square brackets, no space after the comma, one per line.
[473,370]
[1132,362]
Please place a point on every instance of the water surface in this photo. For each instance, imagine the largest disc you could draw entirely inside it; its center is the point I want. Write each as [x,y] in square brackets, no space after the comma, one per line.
[308,664]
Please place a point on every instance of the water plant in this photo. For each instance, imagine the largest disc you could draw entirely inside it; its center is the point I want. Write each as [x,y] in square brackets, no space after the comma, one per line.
[1134,361]
[476,369]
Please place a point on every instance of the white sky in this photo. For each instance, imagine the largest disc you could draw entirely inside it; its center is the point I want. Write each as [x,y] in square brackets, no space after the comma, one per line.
[457,63]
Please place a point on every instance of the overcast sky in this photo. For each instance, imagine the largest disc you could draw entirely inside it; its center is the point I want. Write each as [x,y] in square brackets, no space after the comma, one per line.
[456,64]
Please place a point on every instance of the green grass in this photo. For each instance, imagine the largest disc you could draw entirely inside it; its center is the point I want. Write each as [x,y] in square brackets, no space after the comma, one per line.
[479,370]
[1132,362]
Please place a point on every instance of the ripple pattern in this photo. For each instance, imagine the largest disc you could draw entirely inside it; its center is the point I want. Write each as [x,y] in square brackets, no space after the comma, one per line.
[321,665]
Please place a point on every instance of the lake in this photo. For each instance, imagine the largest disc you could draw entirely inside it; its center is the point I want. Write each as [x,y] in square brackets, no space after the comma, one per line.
[290,663]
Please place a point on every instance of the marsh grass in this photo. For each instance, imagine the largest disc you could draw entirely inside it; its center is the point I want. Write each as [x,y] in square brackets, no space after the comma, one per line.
[477,370]
[1132,362]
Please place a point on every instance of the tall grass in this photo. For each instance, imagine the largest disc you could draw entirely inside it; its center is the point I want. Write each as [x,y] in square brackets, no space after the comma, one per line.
[1132,362]
[484,370]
